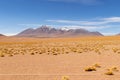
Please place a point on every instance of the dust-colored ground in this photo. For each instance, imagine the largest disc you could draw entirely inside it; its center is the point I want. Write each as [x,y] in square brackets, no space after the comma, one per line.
[95,50]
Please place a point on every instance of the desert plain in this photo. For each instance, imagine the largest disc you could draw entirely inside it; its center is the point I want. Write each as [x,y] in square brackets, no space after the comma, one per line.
[81,58]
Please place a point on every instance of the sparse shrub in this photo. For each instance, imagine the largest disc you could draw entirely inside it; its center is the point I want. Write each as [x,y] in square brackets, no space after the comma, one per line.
[40,52]
[90,68]
[65,78]
[114,69]
[118,52]
[36,52]
[97,65]
[2,55]
[32,53]
[80,51]
[55,54]
[66,52]
[23,53]
[114,50]
[10,55]
[109,73]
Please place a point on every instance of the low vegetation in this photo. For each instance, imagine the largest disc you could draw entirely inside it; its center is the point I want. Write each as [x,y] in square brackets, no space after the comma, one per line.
[57,46]
[60,46]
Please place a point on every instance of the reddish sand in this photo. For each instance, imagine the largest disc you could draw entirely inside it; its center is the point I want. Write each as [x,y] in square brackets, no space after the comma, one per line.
[52,67]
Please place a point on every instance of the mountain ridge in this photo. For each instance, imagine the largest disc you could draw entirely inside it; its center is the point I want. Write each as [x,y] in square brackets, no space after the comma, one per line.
[45,31]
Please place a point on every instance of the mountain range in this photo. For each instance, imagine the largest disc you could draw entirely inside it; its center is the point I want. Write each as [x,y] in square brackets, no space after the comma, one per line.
[45,31]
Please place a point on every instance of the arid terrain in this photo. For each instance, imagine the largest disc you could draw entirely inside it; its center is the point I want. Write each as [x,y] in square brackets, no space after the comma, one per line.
[83,58]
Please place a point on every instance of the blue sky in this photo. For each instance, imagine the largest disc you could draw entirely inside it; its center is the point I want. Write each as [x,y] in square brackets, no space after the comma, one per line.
[93,15]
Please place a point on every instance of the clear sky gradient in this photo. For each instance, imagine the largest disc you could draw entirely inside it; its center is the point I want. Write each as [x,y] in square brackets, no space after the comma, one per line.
[93,15]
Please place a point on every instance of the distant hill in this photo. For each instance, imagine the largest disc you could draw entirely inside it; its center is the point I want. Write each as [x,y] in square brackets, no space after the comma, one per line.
[117,34]
[1,35]
[45,31]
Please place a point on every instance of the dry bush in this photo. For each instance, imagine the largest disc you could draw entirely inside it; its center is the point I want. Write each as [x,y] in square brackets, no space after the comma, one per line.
[2,55]
[111,70]
[32,53]
[97,65]
[114,69]
[114,50]
[55,54]
[90,68]
[65,78]
[118,52]
[109,73]
[10,55]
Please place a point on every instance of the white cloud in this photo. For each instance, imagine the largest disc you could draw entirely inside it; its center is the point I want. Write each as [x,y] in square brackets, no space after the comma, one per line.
[9,34]
[37,25]
[112,19]
[84,27]
[109,33]
[101,21]
[79,22]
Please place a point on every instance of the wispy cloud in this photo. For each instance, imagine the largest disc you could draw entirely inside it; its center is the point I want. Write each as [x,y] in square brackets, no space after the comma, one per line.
[87,2]
[78,22]
[101,21]
[38,25]
[112,19]
[85,27]
[109,33]
[33,25]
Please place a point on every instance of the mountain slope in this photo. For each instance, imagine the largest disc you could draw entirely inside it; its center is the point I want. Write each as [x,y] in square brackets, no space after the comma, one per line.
[1,35]
[118,34]
[45,31]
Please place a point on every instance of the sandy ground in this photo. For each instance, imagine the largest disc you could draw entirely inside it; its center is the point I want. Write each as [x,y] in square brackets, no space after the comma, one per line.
[52,67]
